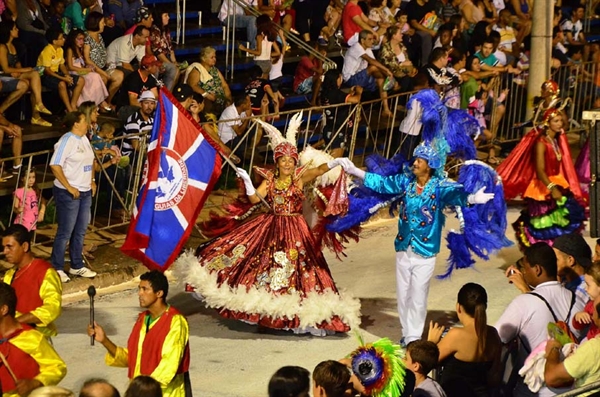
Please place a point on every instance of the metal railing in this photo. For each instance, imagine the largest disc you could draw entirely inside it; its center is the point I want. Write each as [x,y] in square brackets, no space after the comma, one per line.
[595,386]
[366,129]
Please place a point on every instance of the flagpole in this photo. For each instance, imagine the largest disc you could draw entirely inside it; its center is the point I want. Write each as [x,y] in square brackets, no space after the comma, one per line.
[228,161]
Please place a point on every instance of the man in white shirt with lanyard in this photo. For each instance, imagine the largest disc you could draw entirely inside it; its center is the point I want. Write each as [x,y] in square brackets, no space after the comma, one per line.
[526,318]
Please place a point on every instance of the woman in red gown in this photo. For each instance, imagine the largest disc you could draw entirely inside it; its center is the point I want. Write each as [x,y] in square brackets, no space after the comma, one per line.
[267,271]
[541,170]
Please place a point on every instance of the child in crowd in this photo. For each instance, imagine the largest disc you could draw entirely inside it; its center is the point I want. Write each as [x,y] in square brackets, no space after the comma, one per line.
[28,204]
[56,75]
[333,17]
[276,77]
[307,78]
[290,381]
[583,319]
[266,46]
[258,90]
[445,34]
[597,251]
[116,167]
[104,145]
[331,379]
[421,358]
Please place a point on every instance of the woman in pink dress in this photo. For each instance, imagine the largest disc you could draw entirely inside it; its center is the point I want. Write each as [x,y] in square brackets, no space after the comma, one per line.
[29,205]
[94,89]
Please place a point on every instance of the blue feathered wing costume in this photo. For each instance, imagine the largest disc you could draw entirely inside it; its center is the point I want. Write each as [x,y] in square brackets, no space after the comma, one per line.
[449,132]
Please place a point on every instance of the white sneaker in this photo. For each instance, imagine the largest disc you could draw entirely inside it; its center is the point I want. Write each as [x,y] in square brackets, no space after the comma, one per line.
[63,276]
[83,272]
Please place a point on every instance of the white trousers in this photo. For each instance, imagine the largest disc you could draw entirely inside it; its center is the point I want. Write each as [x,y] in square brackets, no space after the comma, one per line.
[413,273]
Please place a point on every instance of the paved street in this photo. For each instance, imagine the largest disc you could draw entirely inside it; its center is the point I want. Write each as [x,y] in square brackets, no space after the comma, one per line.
[231,359]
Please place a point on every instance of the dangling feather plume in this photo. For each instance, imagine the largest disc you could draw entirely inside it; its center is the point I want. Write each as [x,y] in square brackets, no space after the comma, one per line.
[293,127]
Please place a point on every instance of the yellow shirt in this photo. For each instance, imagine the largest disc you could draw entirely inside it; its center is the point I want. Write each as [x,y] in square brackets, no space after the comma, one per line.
[52,368]
[51,58]
[583,365]
[51,294]
[173,348]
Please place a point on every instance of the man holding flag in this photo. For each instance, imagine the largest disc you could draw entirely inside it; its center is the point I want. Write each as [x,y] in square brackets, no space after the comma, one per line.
[181,169]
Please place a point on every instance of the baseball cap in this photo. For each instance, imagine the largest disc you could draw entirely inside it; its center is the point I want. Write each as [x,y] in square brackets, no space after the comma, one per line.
[575,246]
[147,96]
[182,91]
[142,13]
[150,60]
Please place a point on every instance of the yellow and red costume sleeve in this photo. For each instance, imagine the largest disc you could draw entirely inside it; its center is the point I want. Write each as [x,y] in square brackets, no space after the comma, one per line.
[50,297]
[52,369]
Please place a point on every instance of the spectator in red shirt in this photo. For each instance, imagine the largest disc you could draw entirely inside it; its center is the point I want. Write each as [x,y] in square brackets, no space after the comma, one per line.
[307,78]
[353,21]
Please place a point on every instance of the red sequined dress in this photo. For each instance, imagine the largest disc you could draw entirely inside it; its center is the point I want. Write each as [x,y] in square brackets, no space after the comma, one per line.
[268,272]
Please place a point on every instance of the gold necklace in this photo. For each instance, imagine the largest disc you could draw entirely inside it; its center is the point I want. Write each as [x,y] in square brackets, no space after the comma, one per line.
[554,147]
[283,184]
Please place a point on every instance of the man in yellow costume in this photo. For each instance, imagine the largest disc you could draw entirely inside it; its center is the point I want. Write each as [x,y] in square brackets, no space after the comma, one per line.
[36,283]
[28,359]
[158,345]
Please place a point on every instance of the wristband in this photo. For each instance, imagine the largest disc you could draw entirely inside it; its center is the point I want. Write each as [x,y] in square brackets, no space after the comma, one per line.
[551,185]
[204,94]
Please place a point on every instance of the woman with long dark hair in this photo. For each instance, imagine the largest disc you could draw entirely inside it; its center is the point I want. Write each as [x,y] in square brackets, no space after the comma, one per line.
[266,46]
[469,355]
[94,89]
[162,48]
[12,70]
[94,54]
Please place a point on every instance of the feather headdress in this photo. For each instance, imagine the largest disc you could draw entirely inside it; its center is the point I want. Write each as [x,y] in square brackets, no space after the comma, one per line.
[284,146]
[379,368]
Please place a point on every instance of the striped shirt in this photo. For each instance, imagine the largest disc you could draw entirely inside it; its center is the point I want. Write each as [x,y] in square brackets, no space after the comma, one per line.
[135,124]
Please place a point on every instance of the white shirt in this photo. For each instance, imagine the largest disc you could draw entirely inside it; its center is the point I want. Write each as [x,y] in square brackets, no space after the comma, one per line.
[353,61]
[226,132]
[237,10]
[574,27]
[76,157]
[501,57]
[527,317]
[121,50]
[411,124]
[276,67]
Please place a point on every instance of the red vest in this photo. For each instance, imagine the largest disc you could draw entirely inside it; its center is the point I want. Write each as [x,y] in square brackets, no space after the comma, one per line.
[23,365]
[28,284]
[153,344]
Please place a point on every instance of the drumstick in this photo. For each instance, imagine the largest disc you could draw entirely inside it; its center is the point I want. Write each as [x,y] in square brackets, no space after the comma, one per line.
[10,371]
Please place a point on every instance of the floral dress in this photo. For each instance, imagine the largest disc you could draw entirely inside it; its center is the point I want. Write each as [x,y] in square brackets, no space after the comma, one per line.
[214,86]
[268,272]
[97,51]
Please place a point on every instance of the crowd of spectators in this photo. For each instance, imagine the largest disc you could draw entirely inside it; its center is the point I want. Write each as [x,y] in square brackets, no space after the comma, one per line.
[468,358]
[471,52]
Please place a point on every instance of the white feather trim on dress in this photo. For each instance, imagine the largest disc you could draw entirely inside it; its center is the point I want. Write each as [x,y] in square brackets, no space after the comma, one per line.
[315,308]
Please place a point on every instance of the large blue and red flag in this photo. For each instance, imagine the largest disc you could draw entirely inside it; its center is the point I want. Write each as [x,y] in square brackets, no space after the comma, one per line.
[181,169]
